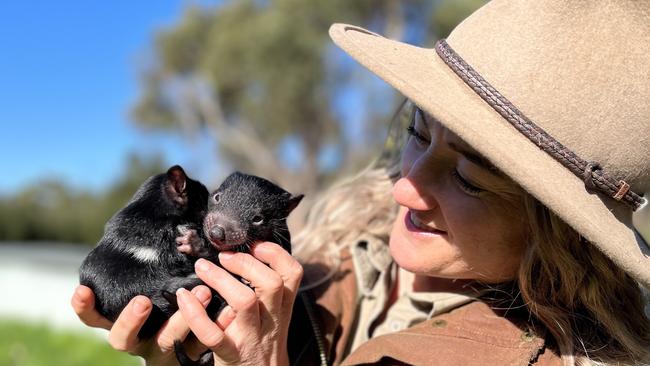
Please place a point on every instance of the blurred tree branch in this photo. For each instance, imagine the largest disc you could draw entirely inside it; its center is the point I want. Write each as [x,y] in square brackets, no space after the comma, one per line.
[257,76]
[252,75]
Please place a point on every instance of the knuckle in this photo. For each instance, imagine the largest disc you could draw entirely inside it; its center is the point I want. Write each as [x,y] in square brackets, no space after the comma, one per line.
[212,339]
[275,284]
[165,342]
[247,300]
[247,262]
[118,344]
[296,270]
[240,262]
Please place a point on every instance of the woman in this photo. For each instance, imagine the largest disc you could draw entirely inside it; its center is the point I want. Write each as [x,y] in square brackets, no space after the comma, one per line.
[511,241]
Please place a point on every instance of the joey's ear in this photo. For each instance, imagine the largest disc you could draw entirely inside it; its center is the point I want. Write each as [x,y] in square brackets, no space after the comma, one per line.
[177,178]
[175,185]
[293,202]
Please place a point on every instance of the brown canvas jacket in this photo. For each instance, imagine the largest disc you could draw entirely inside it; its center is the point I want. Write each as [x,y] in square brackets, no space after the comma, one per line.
[473,334]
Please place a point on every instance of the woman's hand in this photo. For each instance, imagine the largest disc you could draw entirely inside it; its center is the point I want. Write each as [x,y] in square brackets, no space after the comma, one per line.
[252,329]
[123,334]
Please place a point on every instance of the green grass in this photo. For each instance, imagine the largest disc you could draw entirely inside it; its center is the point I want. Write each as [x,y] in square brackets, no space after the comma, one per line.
[24,344]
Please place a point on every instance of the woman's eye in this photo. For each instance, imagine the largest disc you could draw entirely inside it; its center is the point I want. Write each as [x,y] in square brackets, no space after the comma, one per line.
[419,138]
[465,185]
[417,119]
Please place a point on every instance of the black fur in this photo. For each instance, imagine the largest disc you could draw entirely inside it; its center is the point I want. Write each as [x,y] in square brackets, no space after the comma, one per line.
[245,209]
[248,209]
[147,228]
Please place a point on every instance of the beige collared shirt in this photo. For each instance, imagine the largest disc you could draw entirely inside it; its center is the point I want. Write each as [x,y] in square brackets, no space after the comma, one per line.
[376,276]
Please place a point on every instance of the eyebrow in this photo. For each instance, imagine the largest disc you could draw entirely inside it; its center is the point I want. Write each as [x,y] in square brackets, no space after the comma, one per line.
[474,158]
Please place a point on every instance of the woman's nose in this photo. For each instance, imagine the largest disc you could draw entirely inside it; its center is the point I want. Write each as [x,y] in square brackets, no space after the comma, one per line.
[408,194]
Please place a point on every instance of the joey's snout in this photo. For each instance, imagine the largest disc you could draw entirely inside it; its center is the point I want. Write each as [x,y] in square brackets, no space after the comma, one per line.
[217,234]
[224,232]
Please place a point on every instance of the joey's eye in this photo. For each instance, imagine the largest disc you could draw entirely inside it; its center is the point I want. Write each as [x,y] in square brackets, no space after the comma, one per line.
[216,197]
[258,220]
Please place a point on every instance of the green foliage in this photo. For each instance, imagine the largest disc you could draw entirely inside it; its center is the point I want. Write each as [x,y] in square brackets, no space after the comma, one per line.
[259,69]
[53,211]
[262,67]
[264,62]
[23,344]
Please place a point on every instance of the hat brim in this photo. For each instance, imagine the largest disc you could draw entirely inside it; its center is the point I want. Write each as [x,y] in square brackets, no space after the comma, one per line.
[423,77]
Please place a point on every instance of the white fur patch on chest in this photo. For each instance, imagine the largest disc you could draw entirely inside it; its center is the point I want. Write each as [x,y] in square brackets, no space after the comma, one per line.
[145,254]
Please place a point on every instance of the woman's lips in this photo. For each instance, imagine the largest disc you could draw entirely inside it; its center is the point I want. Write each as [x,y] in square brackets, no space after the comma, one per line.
[414,225]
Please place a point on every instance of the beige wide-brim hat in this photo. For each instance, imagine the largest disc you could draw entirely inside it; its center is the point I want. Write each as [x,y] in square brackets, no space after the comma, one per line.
[556,94]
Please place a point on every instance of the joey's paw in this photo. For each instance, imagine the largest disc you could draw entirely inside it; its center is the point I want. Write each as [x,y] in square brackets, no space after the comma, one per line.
[188,242]
[183,229]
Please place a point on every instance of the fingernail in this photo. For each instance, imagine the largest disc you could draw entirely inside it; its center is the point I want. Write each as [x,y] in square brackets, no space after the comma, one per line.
[202,294]
[78,297]
[265,247]
[225,255]
[140,306]
[227,311]
[181,293]
[202,265]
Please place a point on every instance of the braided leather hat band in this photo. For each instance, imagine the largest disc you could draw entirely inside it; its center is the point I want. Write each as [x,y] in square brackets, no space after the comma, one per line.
[595,178]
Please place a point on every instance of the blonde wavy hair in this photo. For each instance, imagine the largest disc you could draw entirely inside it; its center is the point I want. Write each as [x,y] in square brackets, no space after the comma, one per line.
[352,208]
[593,309]
[590,310]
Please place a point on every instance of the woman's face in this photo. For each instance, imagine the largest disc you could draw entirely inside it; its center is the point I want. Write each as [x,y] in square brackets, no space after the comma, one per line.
[459,217]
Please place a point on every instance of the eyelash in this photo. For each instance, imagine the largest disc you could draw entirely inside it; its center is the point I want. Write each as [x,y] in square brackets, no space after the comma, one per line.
[418,136]
[464,185]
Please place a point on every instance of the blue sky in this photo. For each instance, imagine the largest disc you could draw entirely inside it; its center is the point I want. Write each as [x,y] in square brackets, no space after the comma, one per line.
[68,76]
[67,79]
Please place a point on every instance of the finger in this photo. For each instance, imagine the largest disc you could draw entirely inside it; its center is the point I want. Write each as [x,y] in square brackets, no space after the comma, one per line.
[176,328]
[281,261]
[83,303]
[241,298]
[124,334]
[205,330]
[193,347]
[268,284]
[226,316]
